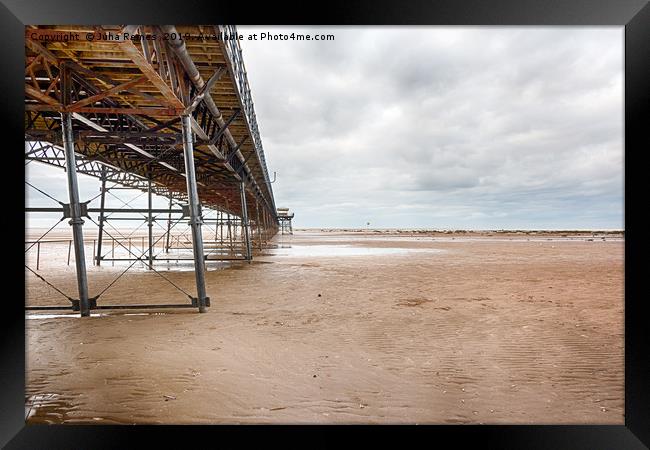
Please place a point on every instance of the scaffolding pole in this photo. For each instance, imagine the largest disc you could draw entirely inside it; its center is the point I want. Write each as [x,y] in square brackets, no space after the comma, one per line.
[169,224]
[102,204]
[244,218]
[195,213]
[75,214]
[150,223]
[258,228]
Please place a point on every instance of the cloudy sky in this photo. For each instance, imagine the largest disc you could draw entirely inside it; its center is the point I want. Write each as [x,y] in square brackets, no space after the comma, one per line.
[440,127]
[444,127]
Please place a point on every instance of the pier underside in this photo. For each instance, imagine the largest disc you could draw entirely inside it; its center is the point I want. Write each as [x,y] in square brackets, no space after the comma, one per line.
[169,114]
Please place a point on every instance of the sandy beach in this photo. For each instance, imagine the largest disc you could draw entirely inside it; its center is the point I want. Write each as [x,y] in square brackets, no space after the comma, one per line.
[345,327]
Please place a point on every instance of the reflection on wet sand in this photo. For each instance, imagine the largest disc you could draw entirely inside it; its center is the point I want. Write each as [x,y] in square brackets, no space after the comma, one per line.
[342,250]
[342,328]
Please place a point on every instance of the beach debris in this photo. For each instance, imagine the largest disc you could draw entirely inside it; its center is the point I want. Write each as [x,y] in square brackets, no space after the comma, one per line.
[413,301]
[169,397]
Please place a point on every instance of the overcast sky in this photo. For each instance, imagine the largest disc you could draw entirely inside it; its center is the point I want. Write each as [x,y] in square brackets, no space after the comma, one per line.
[444,127]
[439,127]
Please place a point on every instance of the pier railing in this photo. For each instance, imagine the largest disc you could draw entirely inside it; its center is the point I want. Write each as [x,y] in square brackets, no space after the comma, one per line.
[234,55]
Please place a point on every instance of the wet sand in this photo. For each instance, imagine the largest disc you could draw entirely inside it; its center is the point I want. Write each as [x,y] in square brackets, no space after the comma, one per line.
[346,328]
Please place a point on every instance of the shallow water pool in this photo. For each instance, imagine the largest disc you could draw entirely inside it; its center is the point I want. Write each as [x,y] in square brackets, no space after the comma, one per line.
[344,250]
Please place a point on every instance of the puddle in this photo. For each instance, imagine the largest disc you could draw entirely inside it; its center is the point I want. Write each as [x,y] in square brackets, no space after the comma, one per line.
[145,314]
[56,316]
[51,409]
[344,250]
[45,408]
[76,315]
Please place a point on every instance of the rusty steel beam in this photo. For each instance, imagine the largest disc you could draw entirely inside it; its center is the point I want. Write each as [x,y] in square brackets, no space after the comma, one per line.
[108,110]
[38,48]
[91,74]
[129,48]
[36,94]
[107,93]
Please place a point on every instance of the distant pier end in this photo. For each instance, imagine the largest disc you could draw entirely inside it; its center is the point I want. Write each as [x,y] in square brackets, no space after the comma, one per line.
[285,217]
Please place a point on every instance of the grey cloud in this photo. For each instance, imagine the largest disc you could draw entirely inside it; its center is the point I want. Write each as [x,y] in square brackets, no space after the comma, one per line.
[484,127]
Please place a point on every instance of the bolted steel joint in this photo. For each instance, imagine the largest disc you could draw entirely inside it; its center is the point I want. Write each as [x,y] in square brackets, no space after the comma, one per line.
[92,303]
[76,221]
[195,221]
[196,302]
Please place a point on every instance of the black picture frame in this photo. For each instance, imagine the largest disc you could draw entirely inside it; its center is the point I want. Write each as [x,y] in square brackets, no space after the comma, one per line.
[634,15]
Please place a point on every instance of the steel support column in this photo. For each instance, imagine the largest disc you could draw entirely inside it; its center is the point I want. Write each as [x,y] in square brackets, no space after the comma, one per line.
[75,212]
[169,224]
[230,235]
[257,223]
[266,226]
[195,212]
[244,218]
[219,227]
[102,204]
[216,227]
[150,223]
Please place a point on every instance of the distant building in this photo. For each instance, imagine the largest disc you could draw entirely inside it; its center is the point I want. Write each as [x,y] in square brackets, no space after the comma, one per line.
[285,217]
